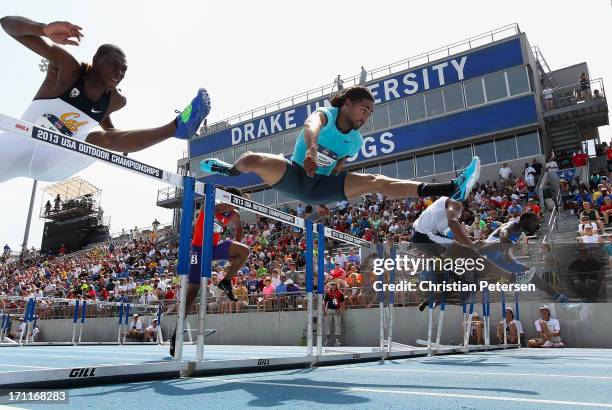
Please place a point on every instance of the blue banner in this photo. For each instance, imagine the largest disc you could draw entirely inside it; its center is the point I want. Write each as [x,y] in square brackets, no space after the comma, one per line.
[567,174]
[456,69]
[486,120]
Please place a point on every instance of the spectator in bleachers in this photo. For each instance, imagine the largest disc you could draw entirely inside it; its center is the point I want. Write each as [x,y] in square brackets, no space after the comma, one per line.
[353,257]
[549,331]
[135,330]
[340,258]
[529,175]
[505,172]
[589,238]
[507,325]
[593,215]
[332,312]
[476,330]
[606,209]
[337,275]
[532,206]
[329,264]
[551,164]
[150,333]
[584,92]
[580,159]
[268,295]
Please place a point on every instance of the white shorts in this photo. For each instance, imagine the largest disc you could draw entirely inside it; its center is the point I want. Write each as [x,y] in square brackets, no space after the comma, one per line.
[21,156]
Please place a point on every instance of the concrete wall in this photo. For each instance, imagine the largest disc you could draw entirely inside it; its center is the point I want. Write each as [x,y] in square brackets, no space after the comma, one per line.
[586,326]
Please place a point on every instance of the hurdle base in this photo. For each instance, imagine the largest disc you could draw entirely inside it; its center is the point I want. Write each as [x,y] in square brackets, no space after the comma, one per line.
[439,349]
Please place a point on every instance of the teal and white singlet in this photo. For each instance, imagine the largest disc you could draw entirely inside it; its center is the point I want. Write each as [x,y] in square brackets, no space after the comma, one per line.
[333,145]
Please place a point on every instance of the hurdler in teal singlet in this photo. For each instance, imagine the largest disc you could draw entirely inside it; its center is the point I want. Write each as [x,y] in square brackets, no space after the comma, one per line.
[333,145]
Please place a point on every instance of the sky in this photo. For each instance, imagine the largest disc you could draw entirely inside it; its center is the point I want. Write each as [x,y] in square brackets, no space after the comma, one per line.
[250,53]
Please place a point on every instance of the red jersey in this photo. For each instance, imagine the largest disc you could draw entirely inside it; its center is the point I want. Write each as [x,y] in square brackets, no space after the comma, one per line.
[609,154]
[222,219]
[580,160]
[605,208]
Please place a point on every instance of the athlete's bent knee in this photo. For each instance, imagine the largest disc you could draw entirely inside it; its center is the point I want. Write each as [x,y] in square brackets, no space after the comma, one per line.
[249,161]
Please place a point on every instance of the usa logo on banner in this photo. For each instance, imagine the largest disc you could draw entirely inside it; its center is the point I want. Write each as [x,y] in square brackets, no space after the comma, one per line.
[567,174]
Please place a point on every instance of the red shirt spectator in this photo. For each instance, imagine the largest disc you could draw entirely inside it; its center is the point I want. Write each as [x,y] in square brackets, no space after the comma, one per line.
[337,272]
[169,294]
[609,153]
[580,159]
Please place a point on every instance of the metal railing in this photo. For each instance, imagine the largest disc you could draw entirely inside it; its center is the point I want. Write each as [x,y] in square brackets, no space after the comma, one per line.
[169,193]
[573,94]
[423,58]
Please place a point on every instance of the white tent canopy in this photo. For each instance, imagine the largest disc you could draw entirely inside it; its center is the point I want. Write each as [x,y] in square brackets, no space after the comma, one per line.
[71,188]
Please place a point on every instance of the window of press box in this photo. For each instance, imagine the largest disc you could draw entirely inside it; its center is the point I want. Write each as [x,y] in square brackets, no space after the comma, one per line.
[405,168]
[389,169]
[263,145]
[462,156]
[505,149]
[453,97]
[425,165]
[518,80]
[474,93]
[416,107]
[380,117]
[435,103]
[443,161]
[486,152]
[528,144]
[290,139]
[372,169]
[495,84]
[277,144]
[397,112]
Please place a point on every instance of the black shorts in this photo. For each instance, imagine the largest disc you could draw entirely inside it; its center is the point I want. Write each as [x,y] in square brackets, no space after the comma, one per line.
[426,245]
[320,189]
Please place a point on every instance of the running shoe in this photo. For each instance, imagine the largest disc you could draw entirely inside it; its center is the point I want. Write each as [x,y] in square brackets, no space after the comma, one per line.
[226,286]
[218,167]
[189,120]
[466,180]
[525,277]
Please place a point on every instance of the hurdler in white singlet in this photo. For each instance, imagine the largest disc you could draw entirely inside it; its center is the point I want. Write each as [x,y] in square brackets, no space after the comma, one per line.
[22,156]
[433,222]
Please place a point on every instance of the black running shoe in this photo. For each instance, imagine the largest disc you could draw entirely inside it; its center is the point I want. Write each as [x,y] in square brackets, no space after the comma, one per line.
[423,305]
[226,286]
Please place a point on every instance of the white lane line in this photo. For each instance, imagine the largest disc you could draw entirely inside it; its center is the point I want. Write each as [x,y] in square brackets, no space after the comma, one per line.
[30,367]
[74,356]
[373,369]
[416,393]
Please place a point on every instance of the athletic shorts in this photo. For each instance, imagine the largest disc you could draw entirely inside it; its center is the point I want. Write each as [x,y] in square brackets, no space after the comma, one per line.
[320,189]
[221,251]
[431,245]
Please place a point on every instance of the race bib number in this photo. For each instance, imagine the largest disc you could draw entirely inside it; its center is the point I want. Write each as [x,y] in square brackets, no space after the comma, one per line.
[325,157]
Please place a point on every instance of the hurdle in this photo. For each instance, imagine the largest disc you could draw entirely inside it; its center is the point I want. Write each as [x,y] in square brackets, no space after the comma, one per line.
[214,195]
[388,348]
[435,347]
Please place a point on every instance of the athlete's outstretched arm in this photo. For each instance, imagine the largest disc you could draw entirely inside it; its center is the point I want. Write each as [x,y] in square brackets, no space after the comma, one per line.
[30,34]
[129,141]
[312,127]
[453,212]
